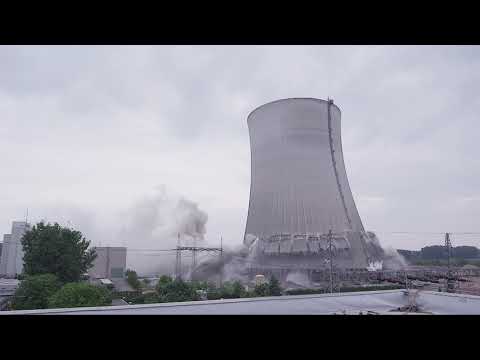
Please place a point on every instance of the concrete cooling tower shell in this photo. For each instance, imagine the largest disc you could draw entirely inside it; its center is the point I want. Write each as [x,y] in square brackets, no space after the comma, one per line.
[299,187]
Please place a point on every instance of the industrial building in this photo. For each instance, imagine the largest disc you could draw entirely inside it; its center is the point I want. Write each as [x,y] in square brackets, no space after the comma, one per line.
[301,208]
[110,263]
[11,261]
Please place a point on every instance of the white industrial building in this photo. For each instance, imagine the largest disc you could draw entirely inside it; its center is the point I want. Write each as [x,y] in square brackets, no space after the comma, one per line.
[110,263]
[11,261]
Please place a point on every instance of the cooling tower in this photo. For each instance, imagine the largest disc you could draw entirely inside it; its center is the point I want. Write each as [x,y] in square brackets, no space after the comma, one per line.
[299,188]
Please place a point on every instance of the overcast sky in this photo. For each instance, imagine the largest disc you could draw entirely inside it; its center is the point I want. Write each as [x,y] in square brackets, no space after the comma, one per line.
[87,131]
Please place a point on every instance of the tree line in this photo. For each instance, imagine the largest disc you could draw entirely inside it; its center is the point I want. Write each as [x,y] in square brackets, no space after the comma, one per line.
[437,254]
[56,258]
[178,290]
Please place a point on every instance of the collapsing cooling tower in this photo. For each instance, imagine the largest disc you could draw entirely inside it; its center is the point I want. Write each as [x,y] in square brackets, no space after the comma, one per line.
[299,188]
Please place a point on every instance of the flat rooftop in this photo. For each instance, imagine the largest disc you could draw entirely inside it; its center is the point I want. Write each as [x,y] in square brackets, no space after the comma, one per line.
[9,282]
[8,286]
[380,302]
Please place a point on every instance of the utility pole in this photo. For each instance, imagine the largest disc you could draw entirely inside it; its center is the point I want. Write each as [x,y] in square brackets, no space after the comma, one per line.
[406,279]
[331,259]
[448,246]
[221,261]
[178,263]
[449,283]
[194,256]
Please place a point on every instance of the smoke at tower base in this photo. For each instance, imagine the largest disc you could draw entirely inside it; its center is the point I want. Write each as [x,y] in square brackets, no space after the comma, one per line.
[236,262]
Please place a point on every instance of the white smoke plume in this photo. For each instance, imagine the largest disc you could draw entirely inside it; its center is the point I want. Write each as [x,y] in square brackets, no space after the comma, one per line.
[159,219]
[372,238]
[385,257]
[236,268]
[152,223]
[252,243]
[375,265]
[232,266]
[156,223]
[250,239]
[393,260]
[298,278]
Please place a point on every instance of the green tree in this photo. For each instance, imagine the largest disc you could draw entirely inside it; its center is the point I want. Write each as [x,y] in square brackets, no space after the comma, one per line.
[466,252]
[34,291]
[434,252]
[238,290]
[231,290]
[132,279]
[148,298]
[274,288]
[163,281]
[199,285]
[271,288]
[53,249]
[261,290]
[80,295]
[213,292]
[151,298]
[175,290]
[226,290]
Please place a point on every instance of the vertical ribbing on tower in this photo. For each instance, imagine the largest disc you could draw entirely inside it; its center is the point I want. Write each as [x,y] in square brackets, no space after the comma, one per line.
[334,164]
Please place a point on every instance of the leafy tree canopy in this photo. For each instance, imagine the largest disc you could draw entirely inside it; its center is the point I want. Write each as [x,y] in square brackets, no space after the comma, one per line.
[34,291]
[271,288]
[466,252]
[80,295]
[132,279]
[274,288]
[230,290]
[56,250]
[175,290]
[433,252]
[163,282]
[164,279]
[261,290]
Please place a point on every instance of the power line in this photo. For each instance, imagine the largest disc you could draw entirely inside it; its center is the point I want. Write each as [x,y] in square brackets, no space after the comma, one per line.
[465,233]
[409,232]
[424,233]
[156,252]
[151,250]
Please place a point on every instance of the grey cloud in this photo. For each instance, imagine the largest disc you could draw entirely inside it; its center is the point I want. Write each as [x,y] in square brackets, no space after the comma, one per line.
[100,126]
